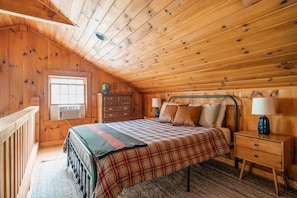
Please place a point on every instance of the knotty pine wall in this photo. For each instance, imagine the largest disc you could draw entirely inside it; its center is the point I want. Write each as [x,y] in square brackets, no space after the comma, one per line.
[283,122]
[25,58]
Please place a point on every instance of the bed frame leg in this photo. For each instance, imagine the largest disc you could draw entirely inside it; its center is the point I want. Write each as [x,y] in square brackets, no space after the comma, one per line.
[236,160]
[188,184]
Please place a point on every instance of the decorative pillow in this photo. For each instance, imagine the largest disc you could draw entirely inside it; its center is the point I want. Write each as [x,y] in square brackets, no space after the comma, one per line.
[164,107]
[221,115]
[187,116]
[209,114]
[169,113]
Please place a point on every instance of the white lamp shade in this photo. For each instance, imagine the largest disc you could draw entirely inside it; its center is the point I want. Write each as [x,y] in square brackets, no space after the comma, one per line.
[263,106]
[156,102]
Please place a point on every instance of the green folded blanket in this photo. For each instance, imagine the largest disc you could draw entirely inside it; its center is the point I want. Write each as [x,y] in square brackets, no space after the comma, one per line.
[103,140]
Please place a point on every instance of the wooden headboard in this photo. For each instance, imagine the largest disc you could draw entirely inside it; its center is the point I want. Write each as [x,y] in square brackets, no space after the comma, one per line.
[229,107]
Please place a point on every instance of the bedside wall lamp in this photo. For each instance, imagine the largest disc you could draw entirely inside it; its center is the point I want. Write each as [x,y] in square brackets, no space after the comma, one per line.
[263,106]
[156,102]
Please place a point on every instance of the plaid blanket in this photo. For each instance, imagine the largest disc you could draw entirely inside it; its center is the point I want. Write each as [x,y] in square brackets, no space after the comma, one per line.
[170,148]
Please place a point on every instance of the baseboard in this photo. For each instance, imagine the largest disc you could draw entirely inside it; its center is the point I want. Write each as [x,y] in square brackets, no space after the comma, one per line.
[51,143]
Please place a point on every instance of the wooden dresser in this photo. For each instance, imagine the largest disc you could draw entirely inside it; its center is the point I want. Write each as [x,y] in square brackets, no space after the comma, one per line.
[114,107]
[273,151]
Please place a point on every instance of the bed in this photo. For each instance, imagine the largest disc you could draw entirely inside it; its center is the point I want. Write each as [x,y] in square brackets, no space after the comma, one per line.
[158,149]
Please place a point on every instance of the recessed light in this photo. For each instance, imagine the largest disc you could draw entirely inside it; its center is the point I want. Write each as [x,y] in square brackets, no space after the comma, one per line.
[101,36]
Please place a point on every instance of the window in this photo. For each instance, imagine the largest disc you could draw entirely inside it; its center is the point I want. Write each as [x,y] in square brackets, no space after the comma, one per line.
[67,97]
[67,90]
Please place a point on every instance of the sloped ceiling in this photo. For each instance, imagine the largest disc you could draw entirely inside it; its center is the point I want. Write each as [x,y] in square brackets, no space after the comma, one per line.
[181,45]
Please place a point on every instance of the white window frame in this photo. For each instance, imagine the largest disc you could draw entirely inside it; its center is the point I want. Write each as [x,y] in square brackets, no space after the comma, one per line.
[67,85]
[69,74]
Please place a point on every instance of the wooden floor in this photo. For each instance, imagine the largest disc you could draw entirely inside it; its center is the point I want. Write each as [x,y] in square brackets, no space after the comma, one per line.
[44,154]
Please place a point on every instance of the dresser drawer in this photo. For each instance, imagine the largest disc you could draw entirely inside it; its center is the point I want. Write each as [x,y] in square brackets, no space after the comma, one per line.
[116,108]
[117,114]
[124,98]
[258,144]
[124,102]
[111,98]
[111,102]
[256,156]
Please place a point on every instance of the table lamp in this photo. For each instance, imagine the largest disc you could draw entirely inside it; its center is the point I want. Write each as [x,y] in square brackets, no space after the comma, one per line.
[263,106]
[156,102]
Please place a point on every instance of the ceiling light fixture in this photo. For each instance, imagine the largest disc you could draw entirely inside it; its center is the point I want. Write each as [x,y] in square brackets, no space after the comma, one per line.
[100,36]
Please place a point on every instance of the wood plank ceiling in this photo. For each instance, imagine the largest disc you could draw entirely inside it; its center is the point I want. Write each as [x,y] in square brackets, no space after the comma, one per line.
[180,45]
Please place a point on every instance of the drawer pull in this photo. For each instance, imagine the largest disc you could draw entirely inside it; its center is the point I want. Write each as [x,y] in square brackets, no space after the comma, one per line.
[256,144]
[256,155]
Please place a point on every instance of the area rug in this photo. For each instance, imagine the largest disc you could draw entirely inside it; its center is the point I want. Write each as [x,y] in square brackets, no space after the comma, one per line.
[208,179]
[54,180]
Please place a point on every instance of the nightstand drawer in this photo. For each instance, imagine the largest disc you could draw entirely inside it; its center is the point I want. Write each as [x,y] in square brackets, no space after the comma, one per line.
[256,156]
[260,145]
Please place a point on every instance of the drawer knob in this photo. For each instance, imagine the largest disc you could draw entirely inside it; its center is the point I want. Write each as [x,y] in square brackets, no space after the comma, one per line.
[256,155]
[256,144]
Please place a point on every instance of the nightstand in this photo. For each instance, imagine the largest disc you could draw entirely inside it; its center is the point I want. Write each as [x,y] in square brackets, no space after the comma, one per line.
[273,151]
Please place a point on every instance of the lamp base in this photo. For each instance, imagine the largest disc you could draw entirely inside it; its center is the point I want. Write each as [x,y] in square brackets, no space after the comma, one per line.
[157,112]
[263,125]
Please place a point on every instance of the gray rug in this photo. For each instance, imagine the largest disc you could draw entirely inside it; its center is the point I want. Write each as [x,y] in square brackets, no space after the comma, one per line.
[208,179]
[54,180]
[211,179]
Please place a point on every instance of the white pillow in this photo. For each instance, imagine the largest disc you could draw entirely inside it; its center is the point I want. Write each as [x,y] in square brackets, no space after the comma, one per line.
[221,115]
[164,107]
[209,114]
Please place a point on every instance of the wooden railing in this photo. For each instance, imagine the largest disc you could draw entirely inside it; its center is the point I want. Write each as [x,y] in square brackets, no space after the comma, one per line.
[17,139]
